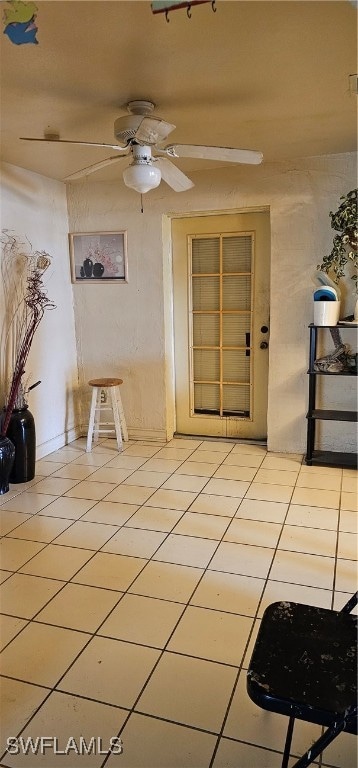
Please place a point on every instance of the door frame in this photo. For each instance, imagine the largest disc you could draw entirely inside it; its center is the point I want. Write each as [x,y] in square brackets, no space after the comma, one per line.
[168,301]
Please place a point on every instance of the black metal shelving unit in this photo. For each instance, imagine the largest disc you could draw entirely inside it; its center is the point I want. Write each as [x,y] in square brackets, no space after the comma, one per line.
[319,457]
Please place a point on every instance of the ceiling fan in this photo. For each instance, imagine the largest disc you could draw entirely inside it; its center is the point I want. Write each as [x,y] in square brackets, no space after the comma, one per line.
[138,133]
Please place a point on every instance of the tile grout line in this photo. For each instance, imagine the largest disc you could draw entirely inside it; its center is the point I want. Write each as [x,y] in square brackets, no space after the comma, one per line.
[125,525]
[92,635]
[220,736]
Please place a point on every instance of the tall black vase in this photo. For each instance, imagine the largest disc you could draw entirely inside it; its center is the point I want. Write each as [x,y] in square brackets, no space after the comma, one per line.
[88,267]
[21,431]
[7,455]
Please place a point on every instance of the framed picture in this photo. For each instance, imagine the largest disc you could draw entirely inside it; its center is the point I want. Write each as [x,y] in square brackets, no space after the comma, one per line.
[98,257]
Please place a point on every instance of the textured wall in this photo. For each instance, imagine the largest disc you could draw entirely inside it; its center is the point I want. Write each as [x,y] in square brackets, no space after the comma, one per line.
[126,329]
[34,207]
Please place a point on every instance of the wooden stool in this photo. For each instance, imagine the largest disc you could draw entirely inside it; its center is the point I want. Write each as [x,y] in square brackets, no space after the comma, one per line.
[111,387]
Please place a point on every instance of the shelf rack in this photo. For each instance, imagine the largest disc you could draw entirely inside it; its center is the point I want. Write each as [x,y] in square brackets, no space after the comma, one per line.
[319,457]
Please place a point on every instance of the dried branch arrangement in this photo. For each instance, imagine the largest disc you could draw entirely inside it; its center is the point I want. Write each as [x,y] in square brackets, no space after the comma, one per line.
[25,302]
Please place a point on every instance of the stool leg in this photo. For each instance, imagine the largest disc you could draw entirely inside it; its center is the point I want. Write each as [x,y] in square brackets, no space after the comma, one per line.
[91,420]
[116,418]
[122,418]
[97,415]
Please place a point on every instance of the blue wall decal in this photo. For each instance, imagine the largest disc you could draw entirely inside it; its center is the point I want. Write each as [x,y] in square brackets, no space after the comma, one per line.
[19,19]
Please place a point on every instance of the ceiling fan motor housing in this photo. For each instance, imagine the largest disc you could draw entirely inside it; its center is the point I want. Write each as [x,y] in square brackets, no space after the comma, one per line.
[125,128]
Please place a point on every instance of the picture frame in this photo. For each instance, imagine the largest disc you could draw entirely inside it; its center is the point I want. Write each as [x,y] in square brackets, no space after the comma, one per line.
[98,257]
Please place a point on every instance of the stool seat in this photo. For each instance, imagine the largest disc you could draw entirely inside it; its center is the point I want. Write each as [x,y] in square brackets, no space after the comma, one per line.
[105,382]
[111,402]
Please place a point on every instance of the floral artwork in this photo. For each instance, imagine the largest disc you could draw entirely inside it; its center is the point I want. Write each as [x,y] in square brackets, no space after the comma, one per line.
[98,257]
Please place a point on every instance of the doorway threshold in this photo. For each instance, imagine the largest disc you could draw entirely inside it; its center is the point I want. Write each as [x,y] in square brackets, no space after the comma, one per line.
[219,439]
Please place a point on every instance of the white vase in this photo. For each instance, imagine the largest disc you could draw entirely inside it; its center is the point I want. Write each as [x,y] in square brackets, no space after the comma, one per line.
[326,312]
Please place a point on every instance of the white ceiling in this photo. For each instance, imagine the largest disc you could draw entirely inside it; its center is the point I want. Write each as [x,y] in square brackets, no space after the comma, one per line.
[266,75]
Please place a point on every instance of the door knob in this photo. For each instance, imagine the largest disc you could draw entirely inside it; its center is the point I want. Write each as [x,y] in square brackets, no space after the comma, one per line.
[263,345]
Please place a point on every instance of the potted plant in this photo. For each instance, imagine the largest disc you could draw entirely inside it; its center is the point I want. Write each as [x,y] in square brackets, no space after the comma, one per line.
[25,302]
[344,251]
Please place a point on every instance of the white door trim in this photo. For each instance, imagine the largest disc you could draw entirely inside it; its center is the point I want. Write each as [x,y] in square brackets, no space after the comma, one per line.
[168,303]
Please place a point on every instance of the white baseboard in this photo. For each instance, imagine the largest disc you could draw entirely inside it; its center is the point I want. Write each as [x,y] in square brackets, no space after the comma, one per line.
[57,442]
[134,434]
[68,437]
[147,434]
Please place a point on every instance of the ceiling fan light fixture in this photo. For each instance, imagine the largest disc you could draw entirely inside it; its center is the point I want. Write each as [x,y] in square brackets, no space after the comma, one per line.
[139,132]
[142,178]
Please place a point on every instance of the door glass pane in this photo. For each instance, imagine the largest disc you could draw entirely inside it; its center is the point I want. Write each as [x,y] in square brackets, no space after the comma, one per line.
[221,317]
[236,366]
[206,255]
[236,292]
[206,398]
[237,254]
[206,330]
[206,293]
[235,328]
[236,400]
[206,365]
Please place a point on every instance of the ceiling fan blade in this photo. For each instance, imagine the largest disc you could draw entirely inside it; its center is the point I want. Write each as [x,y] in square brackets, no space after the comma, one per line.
[83,143]
[153,130]
[92,168]
[228,154]
[175,178]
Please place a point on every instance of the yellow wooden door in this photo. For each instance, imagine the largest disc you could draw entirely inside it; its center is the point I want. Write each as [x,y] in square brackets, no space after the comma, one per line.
[221,272]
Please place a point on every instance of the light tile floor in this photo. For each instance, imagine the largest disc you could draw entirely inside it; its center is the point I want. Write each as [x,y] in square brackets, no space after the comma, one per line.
[132,588]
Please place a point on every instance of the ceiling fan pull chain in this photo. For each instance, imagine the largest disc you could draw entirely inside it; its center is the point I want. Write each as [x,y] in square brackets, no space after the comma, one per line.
[167,16]
[214,8]
[141,204]
[188,11]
